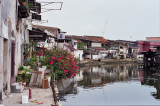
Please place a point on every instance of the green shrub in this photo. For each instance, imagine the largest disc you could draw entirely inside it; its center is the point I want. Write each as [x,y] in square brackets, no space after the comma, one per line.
[21,68]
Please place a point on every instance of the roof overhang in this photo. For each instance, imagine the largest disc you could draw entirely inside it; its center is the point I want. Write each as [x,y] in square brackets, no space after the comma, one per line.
[37,35]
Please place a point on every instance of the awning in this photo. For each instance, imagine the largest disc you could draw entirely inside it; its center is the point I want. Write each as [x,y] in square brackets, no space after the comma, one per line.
[37,35]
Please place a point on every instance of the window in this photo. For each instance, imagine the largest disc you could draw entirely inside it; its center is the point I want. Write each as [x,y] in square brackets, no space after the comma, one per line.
[121,47]
[61,35]
[75,43]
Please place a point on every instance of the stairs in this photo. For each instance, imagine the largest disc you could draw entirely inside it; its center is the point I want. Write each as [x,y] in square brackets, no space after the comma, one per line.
[16,88]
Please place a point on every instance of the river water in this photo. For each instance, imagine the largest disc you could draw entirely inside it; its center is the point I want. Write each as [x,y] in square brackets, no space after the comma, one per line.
[111,85]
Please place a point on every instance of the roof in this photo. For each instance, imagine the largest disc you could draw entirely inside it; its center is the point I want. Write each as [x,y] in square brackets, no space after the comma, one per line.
[98,48]
[74,36]
[92,52]
[95,39]
[90,38]
[37,35]
[50,29]
[153,38]
[70,47]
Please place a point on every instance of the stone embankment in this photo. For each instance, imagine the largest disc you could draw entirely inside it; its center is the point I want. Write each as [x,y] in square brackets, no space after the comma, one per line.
[108,61]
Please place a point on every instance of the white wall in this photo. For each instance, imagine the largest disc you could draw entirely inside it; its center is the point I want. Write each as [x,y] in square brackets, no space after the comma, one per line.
[88,56]
[61,36]
[74,43]
[95,57]
[78,53]
[93,44]
[103,54]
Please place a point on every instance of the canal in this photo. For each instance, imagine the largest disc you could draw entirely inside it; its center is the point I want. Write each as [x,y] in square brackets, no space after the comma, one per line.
[111,85]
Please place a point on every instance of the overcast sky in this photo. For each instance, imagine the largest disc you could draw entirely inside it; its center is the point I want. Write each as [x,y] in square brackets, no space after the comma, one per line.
[112,19]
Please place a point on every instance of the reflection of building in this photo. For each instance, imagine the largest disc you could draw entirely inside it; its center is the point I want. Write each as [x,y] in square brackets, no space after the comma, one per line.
[152,80]
[98,76]
[67,86]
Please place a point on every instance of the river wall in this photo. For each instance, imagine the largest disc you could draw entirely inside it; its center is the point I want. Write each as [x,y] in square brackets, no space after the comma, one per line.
[109,61]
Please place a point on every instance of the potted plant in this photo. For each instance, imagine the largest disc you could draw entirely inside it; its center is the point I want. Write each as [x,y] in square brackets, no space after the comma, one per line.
[22,2]
[21,69]
[24,76]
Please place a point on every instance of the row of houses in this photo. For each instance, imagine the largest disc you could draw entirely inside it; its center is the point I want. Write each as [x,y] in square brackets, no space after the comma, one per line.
[17,30]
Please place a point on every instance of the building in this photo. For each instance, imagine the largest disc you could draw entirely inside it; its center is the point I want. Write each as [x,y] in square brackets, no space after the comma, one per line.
[14,26]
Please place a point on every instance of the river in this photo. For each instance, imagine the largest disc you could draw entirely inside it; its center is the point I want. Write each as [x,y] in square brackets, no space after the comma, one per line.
[111,85]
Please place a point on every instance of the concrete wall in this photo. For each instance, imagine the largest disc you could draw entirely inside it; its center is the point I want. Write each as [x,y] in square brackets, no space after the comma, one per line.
[74,43]
[52,44]
[93,44]
[144,46]
[88,56]
[103,54]
[1,59]
[61,36]
[60,45]
[95,57]
[79,54]
[11,34]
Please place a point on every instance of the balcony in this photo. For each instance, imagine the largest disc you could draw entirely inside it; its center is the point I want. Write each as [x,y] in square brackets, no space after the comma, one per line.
[23,11]
[34,6]
[36,16]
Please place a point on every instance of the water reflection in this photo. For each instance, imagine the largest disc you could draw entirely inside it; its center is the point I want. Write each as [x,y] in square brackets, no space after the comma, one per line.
[124,78]
[99,76]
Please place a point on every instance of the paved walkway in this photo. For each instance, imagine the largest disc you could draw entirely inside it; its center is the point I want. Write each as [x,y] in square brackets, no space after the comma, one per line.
[40,97]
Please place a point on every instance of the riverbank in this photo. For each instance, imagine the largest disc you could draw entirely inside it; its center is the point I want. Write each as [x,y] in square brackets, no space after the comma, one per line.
[89,62]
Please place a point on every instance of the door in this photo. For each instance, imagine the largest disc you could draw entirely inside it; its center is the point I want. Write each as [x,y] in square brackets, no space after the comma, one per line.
[12,62]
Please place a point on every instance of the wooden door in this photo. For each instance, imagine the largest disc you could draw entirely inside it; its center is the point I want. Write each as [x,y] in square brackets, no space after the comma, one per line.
[12,62]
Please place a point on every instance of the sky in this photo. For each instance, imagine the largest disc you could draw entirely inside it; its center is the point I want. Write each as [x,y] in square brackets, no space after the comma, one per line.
[112,19]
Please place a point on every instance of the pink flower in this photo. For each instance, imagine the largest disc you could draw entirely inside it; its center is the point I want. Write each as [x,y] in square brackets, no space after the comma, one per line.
[53,58]
[77,72]
[51,62]
[66,71]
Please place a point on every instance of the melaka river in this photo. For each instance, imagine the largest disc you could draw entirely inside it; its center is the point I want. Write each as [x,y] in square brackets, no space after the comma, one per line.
[111,85]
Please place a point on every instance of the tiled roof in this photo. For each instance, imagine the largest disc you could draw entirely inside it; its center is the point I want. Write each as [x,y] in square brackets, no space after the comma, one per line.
[74,36]
[96,39]
[98,48]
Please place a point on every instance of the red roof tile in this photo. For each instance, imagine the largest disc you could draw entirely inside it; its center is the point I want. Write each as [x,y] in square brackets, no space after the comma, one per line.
[96,39]
[75,37]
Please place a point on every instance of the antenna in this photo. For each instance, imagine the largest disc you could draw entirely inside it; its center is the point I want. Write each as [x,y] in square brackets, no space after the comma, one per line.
[105,24]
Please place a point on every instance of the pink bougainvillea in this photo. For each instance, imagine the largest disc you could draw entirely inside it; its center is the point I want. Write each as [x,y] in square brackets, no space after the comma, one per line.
[61,62]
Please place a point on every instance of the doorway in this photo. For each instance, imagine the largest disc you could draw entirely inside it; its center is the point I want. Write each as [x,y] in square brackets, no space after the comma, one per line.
[12,62]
